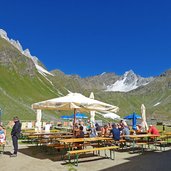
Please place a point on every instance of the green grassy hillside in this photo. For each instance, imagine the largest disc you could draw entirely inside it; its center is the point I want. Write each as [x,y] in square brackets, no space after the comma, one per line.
[17,93]
[21,85]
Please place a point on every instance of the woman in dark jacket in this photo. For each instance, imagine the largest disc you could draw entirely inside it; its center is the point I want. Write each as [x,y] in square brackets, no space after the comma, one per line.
[15,133]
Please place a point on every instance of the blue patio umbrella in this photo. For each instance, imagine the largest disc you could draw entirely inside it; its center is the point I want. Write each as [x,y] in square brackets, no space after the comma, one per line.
[66,117]
[79,116]
[134,118]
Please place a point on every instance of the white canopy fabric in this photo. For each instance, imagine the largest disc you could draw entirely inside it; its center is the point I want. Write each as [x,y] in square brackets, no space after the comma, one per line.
[75,101]
[112,116]
[143,112]
[38,120]
[92,113]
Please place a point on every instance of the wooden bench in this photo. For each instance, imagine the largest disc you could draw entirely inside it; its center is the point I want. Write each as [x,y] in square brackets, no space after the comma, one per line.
[63,148]
[163,137]
[142,145]
[77,152]
[161,144]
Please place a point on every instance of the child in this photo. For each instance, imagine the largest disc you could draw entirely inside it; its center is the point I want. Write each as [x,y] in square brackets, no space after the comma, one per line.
[2,134]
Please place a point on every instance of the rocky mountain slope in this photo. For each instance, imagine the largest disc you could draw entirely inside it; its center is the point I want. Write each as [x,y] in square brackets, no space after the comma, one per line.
[24,80]
[129,81]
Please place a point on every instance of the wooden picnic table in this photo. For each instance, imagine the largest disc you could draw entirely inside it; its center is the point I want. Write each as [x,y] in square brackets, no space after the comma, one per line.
[40,137]
[68,143]
[141,136]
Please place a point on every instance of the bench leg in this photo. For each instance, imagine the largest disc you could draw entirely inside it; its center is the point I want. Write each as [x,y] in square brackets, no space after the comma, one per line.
[142,149]
[62,153]
[162,146]
[3,148]
[69,158]
[105,153]
[110,154]
[77,159]
[112,157]
[98,152]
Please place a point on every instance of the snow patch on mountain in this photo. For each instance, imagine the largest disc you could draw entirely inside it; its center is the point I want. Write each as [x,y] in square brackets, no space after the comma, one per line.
[157,104]
[129,81]
[41,70]
[103,73]
[26,52]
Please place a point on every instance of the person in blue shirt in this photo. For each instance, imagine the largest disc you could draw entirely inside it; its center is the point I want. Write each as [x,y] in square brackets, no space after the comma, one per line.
[1,129]
[93,132]
[2,134]
[115,132]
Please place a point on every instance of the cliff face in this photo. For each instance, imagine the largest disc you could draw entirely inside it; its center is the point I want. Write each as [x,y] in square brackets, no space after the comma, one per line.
[12,59]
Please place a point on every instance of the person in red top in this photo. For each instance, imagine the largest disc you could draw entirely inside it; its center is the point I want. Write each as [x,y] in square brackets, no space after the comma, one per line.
[153,130]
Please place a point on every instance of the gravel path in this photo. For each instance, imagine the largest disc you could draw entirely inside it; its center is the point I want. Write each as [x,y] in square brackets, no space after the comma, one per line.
[31,158]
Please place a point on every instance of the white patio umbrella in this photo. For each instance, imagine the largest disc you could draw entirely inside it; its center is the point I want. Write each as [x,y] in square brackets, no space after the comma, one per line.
[112,116]
[92,113]
[38,120]
[143,112]
[76,102]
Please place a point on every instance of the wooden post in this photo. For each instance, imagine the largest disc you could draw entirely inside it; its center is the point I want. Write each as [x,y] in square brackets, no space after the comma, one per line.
[74,118]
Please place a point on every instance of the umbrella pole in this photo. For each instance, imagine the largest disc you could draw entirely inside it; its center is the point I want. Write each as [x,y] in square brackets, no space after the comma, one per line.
[74,118]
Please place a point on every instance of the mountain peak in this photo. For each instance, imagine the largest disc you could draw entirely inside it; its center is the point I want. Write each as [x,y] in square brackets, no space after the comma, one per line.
[129,81]
[3,34]
[25,52]
[129,72]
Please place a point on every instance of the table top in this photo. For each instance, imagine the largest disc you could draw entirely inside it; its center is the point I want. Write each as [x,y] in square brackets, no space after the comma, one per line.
[52,133]
[73,140]
[167,133]
[141,135]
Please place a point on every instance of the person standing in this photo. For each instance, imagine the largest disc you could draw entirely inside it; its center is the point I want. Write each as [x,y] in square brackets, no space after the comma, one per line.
[15,133]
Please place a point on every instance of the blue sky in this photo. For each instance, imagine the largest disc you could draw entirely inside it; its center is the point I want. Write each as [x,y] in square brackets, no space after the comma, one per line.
[88,37]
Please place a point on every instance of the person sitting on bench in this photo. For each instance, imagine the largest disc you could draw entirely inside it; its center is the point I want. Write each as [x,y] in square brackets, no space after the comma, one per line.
[80,133]
[2,135]
[115,132]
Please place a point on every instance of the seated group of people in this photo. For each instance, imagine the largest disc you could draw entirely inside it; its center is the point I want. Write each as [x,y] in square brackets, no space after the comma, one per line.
[107,130]
[115,130]
[2,134]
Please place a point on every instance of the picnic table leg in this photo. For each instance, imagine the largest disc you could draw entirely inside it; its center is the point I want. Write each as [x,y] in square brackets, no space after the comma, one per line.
[3,148]
[110,154]
[113,155]
[77,159]
[69,158]
[99,152]
[98,146]
[105,154]
[112,158]
[133,145]
[62,152]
